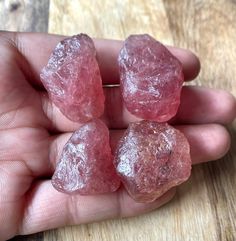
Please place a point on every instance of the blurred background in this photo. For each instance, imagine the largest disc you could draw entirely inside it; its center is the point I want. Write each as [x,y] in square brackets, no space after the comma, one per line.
[204,207]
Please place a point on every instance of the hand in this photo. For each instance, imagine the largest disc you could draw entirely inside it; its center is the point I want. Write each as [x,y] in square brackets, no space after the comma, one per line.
[33,132]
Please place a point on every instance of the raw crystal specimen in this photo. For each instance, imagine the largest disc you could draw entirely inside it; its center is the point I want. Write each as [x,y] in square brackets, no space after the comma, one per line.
[85,165]
[73,80]
[151,78]
[151,158]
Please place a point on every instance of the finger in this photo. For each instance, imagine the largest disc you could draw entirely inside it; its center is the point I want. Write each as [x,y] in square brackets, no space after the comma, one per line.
[207,142]
[37,47]
[199,105]
[49,208]
[108,51]
[190,62]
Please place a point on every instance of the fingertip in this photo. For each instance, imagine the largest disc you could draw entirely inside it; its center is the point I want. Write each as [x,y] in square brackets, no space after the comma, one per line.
[201,105]
[192,66]
[223,104]
[222,146]
[190,61]
[208,142]
[228,107]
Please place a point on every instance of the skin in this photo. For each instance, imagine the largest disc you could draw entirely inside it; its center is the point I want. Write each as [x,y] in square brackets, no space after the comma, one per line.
[33,132]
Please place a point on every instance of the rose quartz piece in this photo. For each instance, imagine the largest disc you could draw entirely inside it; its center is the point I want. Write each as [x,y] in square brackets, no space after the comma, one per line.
[85,165]
[151,158]
[73,80]
[151,78]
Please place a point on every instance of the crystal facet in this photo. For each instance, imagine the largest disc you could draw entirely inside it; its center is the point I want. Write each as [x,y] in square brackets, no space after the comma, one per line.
[85,165]
[151,78]
[72,79]
[151,158]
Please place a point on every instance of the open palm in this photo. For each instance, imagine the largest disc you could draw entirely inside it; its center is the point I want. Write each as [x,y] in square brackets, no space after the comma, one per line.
[33,132]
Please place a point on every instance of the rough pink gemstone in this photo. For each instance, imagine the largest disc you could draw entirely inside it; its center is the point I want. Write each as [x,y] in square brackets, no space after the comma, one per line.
[86,163]
[151,78]
[73,80]
[151,158]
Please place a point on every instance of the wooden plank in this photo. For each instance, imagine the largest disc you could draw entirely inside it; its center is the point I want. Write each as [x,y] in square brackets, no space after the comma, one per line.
[204,207]
[24,15]
[109,19]
[208,28]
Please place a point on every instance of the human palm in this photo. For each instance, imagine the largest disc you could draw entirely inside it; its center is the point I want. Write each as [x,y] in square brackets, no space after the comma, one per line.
[33,132]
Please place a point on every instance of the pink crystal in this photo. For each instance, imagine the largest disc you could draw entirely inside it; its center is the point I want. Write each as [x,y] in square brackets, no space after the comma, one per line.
[73,80]
[151,78]
[151,158]
[85,165]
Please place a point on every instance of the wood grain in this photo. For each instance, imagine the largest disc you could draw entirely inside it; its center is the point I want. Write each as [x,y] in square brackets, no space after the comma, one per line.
[204,207]
[109,19]
[24,15]
[209,29]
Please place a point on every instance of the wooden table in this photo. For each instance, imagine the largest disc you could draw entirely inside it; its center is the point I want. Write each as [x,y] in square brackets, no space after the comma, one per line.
[204,208]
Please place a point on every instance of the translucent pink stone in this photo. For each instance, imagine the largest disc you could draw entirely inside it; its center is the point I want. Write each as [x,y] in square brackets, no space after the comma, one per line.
[73,80]
[151,158]
[151,78]
[86,163]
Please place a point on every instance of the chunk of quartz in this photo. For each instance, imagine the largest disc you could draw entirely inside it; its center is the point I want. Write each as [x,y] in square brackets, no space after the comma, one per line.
[72,79]
[151,78]
[151,158]
[86,165]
